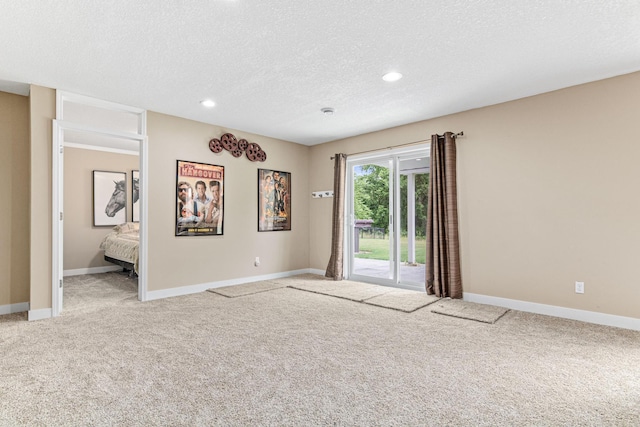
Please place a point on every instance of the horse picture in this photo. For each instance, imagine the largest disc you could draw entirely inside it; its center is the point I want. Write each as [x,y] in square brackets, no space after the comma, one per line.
[136,189]
[118,199]
[109,198]
[135,195]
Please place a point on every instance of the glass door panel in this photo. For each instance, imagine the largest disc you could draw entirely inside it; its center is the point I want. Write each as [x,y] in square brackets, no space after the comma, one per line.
[372,241]
[414,184]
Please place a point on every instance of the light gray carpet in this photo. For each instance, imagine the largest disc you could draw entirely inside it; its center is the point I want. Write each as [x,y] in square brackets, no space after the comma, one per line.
[403,300]
[291,358]
[90,292]
[469,310]
[247,288]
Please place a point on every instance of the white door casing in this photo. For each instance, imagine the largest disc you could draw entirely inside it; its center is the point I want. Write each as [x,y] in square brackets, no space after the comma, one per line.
[59,128]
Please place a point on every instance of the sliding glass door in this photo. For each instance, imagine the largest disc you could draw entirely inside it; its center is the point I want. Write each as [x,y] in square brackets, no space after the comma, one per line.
[386,207]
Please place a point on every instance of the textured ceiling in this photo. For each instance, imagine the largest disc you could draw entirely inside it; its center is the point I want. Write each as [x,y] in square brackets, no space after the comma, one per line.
[271,65]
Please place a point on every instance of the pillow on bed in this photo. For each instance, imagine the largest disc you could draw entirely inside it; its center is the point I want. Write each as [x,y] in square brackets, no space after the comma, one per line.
[127,227]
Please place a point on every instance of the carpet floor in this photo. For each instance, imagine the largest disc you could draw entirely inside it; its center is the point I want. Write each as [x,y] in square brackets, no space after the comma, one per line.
[286,357]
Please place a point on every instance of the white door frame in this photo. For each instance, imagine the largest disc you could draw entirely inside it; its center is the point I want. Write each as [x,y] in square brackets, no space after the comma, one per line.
[57,193]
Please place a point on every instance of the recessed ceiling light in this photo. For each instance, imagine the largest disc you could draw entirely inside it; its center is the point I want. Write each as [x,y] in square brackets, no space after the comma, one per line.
[208,103]
[393,76]
[327,111]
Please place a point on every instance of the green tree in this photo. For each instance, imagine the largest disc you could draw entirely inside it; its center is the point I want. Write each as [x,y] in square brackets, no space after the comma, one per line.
[361,203]
[371,197]
[372,183]
[421,196]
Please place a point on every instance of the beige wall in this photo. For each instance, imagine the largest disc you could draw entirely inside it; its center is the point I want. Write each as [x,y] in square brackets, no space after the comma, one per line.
[14,176]
[42,110]
[547,192]
[548,195]
[81,239]
[182,261]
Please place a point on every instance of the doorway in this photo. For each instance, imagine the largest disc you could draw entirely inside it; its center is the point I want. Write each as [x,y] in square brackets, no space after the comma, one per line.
[100,125]
[386,211]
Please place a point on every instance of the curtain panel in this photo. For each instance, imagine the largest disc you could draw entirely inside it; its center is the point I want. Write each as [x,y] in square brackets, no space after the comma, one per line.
[443,276]
[335,268]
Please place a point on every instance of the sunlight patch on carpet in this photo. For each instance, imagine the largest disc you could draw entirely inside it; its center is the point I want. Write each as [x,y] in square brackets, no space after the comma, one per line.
[247,288]
[307,278]
[469,310]
[342,289]
[403,300]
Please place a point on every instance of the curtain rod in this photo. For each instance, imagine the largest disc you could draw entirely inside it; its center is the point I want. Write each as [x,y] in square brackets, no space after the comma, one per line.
[455,135]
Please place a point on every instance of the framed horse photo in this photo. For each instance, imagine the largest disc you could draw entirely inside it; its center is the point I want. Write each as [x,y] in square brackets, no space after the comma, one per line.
[109,198]
[135,195]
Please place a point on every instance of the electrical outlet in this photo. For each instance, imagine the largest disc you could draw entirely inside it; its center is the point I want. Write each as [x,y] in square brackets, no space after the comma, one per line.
[257,261]
[579,287]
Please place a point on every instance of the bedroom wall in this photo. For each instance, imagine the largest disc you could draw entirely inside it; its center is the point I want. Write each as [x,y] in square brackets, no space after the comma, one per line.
[14,175]
[81,239]
[183,261]
[548,195]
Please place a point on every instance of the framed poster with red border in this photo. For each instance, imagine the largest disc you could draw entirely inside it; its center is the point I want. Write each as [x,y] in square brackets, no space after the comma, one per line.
[199,199]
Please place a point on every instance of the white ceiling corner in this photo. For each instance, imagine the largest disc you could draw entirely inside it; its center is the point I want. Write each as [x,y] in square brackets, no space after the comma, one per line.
[16,88]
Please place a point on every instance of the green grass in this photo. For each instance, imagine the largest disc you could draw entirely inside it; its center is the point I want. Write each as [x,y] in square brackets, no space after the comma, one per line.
[379,249]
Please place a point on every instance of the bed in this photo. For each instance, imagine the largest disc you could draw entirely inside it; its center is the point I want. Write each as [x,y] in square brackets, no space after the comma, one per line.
[121,246]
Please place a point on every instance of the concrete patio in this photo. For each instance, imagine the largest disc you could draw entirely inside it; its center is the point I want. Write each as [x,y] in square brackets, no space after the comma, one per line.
[382,269]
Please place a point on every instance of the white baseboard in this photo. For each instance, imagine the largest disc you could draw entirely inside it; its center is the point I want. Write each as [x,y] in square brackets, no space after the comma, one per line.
[194,289]
[316,271]
[91,270]
[563,312]
[43,313]
[14,308]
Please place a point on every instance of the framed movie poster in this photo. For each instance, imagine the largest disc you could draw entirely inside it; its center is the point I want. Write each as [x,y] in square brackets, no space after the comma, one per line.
[200,199]
[135,195]
[109,198]
[274,200]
